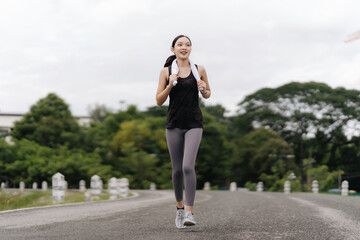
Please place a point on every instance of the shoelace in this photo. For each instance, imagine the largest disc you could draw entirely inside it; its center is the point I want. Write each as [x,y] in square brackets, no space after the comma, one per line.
[189,216]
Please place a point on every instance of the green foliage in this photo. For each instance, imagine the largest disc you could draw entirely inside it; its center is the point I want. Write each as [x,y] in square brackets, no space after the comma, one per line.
[250,185]
[132,134]
[35,163]
[213,154]
[217,111]
[325,178]
[10,201]
[140,165]
[157,111]
[261,151]
[99,113]
[13,201]
[302,110]
[49,123]
[307,120]
[273,182]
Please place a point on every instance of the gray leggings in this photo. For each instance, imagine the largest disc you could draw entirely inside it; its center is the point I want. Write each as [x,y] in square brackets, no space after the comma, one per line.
[183,146]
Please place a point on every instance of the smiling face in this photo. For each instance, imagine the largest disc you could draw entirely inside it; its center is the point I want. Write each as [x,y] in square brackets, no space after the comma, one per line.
[182,48]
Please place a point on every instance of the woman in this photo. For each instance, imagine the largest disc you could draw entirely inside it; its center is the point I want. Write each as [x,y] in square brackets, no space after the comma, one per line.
[184,123]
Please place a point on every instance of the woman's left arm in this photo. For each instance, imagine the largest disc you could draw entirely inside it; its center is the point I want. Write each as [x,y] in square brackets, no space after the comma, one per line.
[204,83]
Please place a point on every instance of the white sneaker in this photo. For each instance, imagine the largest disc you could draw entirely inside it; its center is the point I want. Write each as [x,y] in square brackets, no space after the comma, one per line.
[189,219]
[180,213]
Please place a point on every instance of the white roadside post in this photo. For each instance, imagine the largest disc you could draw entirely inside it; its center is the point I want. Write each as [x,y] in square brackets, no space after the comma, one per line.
[260,187]
[315,186]
[113,191]
[207,186]
[95,186]
[345,188]
[287,187]
[82,186]
[233,186]
[44,185]
[88,195]
[152,186]
[22,186]
[124,187]
[58,188]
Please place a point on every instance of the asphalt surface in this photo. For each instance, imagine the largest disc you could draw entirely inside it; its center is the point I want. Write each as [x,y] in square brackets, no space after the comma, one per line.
[219,215]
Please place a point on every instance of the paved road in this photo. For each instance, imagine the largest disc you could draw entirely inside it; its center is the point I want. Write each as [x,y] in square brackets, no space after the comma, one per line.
[220,215]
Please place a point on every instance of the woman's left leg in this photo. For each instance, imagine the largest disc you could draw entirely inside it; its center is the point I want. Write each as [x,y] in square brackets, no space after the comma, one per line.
[191,147]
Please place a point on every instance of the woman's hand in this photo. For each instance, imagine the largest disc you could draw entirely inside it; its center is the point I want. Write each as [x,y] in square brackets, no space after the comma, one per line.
[172,78]
[201,85]
[166,83]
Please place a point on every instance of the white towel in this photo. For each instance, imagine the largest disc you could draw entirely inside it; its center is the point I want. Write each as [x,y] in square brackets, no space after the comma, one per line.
[175,70]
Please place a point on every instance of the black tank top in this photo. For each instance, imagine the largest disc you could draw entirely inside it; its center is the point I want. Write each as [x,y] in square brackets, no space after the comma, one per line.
[184,111]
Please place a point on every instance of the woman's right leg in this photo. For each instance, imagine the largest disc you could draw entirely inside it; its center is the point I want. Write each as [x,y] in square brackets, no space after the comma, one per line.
[191,147]
[175,141]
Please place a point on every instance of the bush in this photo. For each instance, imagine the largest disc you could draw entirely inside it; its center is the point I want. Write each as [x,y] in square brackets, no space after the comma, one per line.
[274,184]
[251,186]
[325,178]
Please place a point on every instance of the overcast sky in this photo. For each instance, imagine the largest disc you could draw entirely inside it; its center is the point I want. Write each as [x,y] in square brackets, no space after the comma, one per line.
[104,52]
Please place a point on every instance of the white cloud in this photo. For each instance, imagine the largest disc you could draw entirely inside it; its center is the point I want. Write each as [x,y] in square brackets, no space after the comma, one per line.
[106,51]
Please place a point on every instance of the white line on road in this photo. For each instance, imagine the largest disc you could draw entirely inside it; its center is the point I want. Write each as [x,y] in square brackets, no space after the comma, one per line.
[336,218]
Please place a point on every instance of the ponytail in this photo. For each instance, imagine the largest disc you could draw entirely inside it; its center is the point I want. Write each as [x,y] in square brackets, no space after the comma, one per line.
[169,60]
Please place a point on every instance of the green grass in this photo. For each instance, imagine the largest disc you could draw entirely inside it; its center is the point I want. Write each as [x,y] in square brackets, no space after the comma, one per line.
[22,200]
[104,196]
[10,201]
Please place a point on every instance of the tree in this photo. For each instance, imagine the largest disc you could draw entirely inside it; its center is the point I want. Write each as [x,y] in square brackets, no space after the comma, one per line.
[133,133]
[139,166]
[98,113]
[325,178]
[32,162]
[213,154]
[133,143]
[261,151]
[157,111]
[305,110]
[218,111]
[49,123]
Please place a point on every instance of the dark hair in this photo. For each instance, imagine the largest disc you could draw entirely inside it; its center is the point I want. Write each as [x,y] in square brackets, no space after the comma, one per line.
[170,59]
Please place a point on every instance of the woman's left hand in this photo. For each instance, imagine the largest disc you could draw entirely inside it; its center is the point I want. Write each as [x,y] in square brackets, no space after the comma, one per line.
[201,84]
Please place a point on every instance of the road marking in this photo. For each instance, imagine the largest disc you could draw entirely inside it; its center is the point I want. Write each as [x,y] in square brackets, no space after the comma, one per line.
[336,218]
[206,197]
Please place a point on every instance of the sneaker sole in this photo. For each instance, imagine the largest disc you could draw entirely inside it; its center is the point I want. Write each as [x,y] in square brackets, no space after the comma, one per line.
[188,223]
[180,227]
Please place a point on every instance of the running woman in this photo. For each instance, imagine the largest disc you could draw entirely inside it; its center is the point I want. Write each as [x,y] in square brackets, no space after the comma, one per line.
[184,124]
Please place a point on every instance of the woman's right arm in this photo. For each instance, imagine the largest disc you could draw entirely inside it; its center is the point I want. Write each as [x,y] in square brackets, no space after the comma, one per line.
[163,90]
